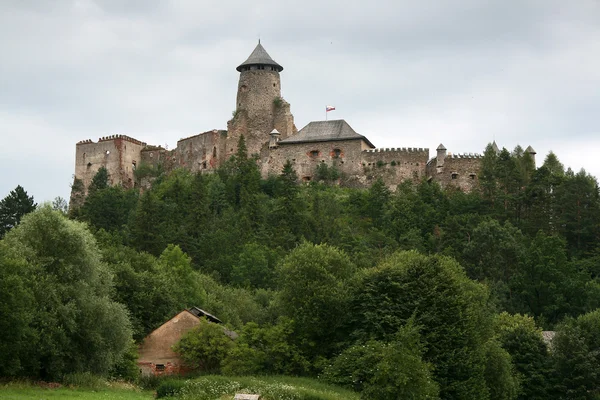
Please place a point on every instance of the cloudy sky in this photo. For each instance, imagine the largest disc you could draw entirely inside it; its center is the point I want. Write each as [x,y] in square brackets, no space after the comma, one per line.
[405,74]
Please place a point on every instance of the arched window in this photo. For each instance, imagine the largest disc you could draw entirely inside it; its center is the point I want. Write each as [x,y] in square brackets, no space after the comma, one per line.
[214,152]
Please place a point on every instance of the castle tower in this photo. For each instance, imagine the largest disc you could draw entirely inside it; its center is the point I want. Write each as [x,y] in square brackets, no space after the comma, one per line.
[529,150]
[441,155]
[259,106]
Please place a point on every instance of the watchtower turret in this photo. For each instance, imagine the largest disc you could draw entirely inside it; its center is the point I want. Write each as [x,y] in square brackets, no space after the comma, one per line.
[259,106]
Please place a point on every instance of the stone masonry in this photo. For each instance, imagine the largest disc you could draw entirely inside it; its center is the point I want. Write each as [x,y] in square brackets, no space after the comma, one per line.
[265,120]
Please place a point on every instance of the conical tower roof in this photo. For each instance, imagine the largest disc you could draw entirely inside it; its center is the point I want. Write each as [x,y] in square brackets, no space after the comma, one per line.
[259,57]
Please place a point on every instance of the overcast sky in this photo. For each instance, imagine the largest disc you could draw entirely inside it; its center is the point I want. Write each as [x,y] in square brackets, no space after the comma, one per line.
[404,74]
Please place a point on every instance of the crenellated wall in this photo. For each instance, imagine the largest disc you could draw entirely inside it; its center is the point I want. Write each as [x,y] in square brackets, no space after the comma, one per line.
[393,165]
[458,170]
[119,154]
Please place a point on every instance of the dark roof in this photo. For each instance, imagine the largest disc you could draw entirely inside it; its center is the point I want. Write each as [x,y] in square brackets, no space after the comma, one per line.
[259,57]
[530,150]
[325,131]
[198,312]
[441,147]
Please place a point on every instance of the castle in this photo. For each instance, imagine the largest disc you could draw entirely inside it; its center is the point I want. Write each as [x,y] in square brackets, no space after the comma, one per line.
[264,118]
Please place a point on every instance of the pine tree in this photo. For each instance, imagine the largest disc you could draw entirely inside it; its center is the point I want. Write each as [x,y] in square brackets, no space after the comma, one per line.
[13,207]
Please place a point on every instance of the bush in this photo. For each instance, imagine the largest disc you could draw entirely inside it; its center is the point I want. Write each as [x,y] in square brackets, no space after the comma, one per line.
[84,380]
[204,347]
[169,388]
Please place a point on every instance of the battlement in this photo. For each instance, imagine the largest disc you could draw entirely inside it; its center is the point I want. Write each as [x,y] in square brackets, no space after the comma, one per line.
[113,137]
[203,133]
[398,150]
[464,155]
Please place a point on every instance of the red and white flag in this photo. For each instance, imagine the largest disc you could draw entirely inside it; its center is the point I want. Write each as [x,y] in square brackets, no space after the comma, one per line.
[329,108]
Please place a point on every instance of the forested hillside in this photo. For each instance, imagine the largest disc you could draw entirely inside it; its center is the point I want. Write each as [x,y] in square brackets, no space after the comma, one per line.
[421,292]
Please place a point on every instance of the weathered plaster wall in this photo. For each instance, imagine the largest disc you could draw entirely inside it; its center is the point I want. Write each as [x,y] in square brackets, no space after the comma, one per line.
[156,348]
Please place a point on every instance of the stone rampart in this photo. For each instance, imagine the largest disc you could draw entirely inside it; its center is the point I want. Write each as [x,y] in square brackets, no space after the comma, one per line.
[458,170]
[393,165]
[119,154]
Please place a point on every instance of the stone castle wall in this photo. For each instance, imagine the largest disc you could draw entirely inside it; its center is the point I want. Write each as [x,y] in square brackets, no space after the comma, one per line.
[119,154]
[458,170]
[393,165]
[345,155]
[203,152]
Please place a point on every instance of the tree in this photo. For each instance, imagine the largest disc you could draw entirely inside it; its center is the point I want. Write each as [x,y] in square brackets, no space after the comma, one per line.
[500,378]
[99,181]
[17,311]
[450,309]
[266,349]
[79,327]
[546,284]
[204,347]
[576,354]
[386,370]
[522,339]
[313,292]
[13,207]
[109,208]
[401,373]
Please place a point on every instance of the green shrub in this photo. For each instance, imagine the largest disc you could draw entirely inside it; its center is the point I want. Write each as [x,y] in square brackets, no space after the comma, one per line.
[169,387]
[149,382]
[84,380]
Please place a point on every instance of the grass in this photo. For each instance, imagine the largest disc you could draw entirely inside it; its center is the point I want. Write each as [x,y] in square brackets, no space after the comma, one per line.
[211,387]
[112,391]
[270,388]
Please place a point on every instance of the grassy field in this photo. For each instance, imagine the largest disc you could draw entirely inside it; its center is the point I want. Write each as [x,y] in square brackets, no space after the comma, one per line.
[27,391]
[270,388]
[202,388]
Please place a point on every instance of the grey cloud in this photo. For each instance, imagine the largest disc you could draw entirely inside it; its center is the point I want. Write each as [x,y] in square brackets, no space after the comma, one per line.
[403,73]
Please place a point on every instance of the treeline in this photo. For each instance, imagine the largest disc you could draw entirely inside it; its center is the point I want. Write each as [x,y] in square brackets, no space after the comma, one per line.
[421,292]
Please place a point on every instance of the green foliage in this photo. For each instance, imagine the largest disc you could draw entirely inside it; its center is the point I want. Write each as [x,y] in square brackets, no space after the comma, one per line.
[500,376]
[13,207]
[17,312]
[401,372]
[169,388]
[314,293]
[522,339]
[326,173]
[450,309]
[79,328]
[99,181]
[108,208]
[204,347]
[576,355]
[386,370]
[266,350]
[278,102]
[85,380]
[146,170]
[213,387]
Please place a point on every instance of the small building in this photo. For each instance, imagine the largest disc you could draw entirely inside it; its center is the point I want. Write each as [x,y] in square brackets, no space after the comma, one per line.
[156,356]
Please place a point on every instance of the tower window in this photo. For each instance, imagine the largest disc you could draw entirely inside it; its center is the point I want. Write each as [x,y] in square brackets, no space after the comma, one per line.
[133,165]
[314,153]
[214,152]
[336,153]
[454,175]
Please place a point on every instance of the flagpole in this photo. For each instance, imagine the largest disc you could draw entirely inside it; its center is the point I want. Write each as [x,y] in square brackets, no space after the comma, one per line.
[325,113]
